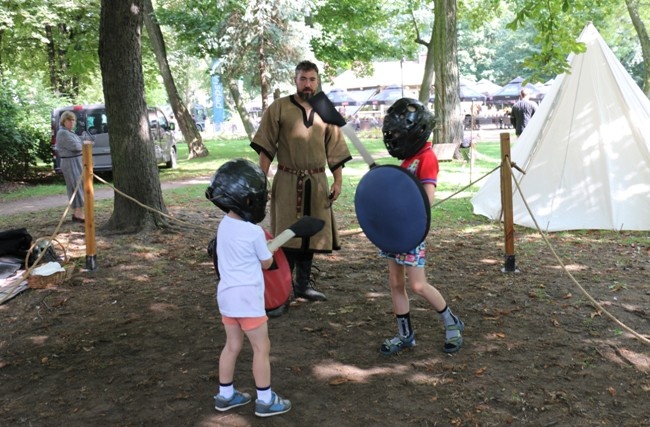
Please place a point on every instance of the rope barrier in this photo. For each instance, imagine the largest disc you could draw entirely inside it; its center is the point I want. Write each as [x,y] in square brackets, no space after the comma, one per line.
[359,230]
[573,279]
[346,233]
[150,208]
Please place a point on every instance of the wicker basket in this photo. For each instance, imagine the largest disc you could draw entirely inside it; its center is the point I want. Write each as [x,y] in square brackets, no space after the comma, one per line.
[55,279]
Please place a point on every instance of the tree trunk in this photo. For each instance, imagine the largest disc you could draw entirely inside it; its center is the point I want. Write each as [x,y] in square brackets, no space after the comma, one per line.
[644,40]
[249,127]
[135,172]
[51,59]
[264,83]
[192,136]
[449,123]
[429,70]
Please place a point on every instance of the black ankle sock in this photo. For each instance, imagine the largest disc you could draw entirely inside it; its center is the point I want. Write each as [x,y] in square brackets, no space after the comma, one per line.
[404,327]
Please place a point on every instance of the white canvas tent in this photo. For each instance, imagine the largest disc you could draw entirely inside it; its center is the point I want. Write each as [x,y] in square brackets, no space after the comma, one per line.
[586,151]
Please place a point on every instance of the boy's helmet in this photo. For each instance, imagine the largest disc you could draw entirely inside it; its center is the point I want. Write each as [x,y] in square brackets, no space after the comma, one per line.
[407,126]
[240,185]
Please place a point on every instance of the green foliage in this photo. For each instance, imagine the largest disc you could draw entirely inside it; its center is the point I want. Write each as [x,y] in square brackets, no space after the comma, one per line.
[251,39]
[352,32]
[25,130]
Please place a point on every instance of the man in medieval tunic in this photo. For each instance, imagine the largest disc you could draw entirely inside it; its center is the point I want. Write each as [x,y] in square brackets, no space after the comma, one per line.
[304,146]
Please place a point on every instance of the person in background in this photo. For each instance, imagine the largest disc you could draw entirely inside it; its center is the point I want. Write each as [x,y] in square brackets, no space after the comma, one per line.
[406,129]
[69,147]
[522,111]
[239,188]
[304,145]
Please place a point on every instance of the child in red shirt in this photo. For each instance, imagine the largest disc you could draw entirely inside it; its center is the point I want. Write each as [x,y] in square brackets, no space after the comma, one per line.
[407,126]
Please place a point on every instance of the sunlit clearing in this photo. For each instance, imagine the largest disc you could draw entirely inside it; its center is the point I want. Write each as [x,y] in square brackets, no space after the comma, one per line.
[570,267]
[162,307]
[39,339]
[432,380]
[375,294]
[141,278]
[625,357]
[226,420]
[329,371]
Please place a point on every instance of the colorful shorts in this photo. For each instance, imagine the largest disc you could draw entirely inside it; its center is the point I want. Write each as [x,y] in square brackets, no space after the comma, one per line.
[413,258]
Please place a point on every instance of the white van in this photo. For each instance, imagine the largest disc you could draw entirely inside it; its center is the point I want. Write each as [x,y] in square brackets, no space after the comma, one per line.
[93,120]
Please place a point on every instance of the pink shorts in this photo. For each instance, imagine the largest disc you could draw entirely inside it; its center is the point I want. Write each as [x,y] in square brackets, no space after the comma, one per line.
[245,323]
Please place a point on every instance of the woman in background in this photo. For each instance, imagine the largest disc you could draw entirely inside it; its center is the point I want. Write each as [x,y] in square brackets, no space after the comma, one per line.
[69,146]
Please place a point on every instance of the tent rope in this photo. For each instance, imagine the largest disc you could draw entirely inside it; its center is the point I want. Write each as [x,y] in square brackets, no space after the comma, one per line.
[582,289]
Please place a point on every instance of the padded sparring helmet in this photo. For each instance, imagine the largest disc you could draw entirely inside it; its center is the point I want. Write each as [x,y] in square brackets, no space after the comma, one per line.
[407,126]
[240,185]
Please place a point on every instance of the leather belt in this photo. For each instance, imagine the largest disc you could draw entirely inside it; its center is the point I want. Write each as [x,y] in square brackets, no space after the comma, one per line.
[300,184]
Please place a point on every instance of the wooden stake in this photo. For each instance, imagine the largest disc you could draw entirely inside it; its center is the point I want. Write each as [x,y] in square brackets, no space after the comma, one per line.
[506,204]
[89,207]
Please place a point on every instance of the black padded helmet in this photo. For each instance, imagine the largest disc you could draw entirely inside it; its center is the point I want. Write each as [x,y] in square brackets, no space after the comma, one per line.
[407,126]
[240,185]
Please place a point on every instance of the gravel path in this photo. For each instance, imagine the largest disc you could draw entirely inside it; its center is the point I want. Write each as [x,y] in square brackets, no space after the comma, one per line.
[48,202]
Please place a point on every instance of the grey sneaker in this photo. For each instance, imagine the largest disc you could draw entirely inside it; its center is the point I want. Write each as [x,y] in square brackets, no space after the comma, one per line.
[396,344]
[237,399]
[277,406]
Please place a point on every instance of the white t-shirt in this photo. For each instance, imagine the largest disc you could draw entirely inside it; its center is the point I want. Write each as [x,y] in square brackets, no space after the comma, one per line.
[241,246]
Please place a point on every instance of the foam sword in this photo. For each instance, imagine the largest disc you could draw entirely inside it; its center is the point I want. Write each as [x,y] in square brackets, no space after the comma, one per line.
[326,110]
[306,226]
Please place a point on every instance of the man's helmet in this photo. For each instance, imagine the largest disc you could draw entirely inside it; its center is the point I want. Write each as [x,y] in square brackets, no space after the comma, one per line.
[407,126]
[240,185]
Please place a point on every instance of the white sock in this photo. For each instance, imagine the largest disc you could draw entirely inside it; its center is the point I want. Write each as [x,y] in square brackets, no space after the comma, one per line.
[265,395]
[226,390]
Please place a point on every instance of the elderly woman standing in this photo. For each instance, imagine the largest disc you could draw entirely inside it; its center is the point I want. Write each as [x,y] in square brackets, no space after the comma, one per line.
[69,145]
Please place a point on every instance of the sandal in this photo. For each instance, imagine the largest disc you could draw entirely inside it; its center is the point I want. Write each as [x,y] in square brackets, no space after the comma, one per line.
[393,345]
[453,344]
[77,219]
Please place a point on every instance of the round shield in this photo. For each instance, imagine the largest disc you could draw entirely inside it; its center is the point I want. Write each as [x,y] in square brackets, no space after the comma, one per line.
[392,209]
[277,282]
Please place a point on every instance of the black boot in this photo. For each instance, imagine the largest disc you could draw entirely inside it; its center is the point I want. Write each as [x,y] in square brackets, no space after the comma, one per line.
[303,286]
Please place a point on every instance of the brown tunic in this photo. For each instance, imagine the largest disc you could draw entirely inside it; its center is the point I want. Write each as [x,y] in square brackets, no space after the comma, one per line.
[304,146]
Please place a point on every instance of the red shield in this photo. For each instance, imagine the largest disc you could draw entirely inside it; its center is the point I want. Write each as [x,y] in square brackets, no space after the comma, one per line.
[277,282]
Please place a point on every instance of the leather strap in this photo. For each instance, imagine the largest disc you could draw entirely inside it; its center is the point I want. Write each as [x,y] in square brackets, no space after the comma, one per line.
[300,183]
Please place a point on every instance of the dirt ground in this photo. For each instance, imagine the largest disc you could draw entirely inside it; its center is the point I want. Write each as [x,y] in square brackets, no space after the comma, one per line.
[136,342]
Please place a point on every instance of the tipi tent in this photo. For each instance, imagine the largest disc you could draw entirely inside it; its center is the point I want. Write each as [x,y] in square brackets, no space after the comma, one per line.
[586,151]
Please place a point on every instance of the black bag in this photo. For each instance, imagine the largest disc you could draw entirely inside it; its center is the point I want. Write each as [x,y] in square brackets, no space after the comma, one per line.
[15,243]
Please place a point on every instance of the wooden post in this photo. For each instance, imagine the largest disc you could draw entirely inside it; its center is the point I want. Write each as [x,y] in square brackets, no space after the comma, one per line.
[89,206]
[506,204]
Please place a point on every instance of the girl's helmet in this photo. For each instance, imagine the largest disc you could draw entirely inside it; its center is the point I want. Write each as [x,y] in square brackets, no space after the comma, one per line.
[241,186]
[407,126]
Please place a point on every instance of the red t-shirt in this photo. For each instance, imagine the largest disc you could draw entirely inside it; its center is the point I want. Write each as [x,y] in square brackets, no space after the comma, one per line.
[424,165]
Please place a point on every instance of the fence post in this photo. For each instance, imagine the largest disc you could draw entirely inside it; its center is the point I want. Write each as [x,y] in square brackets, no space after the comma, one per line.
[89,207]
[506,205]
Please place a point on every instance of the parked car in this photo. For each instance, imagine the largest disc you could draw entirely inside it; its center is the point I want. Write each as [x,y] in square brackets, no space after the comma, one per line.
[93,120]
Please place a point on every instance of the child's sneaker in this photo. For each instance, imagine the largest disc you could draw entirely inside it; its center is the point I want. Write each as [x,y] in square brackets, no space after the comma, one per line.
[277,406]
[396,344]
[455,341]
[237,399]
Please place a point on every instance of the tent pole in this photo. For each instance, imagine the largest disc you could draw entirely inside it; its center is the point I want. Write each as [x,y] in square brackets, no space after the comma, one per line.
[506,204]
